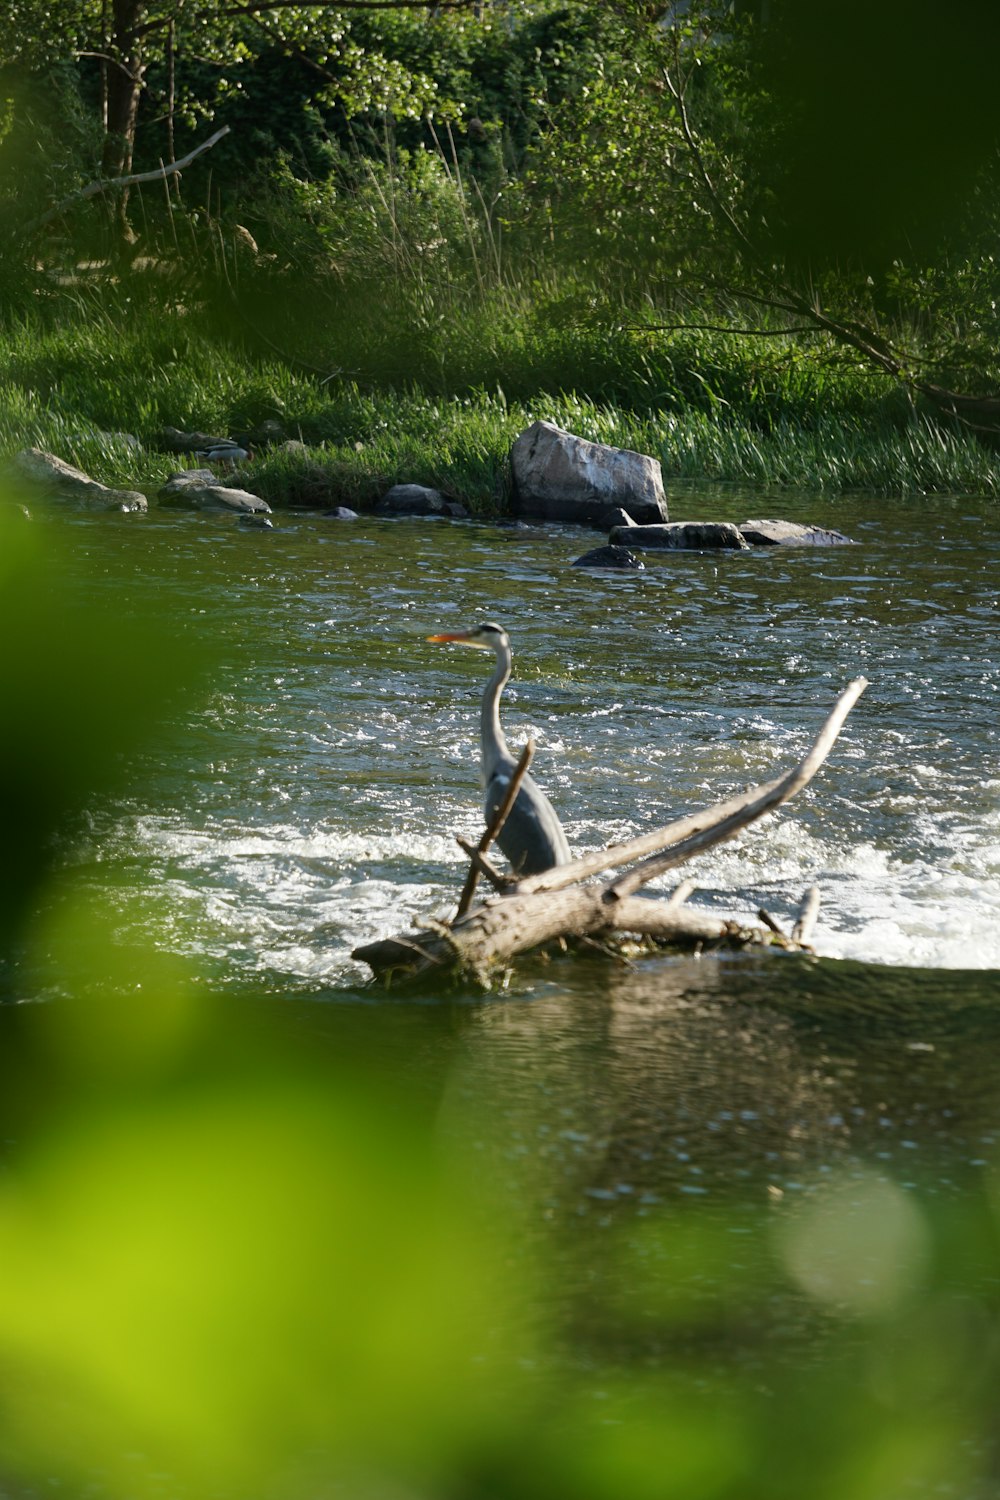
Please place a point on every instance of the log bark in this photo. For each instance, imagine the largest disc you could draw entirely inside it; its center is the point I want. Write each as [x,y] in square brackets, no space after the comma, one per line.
[555,905]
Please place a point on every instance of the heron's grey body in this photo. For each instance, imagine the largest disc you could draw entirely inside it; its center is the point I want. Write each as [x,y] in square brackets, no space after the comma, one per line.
[532,837]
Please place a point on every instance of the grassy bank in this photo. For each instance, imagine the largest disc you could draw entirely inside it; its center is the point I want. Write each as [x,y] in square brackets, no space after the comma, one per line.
[713,406]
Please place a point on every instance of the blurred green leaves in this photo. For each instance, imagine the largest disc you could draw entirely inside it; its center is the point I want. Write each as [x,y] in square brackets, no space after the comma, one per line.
[85,675]
[251,1276]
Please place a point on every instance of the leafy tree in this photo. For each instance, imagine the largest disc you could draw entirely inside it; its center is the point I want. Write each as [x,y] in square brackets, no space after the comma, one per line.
[125,39]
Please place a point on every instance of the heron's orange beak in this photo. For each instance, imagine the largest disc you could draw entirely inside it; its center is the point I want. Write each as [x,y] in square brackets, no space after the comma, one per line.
[463,635]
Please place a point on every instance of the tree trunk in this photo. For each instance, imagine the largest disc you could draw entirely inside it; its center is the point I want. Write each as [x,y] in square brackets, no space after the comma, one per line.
[125,79]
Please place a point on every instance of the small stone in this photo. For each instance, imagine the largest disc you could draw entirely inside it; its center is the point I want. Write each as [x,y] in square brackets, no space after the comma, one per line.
[417,500]
[197,489]
[340,513]
[609,557]
[254,521]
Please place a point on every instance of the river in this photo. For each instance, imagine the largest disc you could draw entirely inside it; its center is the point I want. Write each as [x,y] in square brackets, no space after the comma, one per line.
[310,803]
[307,801]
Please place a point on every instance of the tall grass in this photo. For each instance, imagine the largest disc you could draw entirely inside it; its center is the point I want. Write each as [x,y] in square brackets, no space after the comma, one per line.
[77,389]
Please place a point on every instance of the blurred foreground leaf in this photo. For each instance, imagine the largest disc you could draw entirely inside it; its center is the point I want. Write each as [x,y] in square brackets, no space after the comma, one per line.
[247,1268]
[85,675]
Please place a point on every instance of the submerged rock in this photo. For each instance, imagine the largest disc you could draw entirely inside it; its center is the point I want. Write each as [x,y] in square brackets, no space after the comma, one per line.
[698,536]
[609,557]
[417,500]
[340,513]
[791,534]
[561,477]
[51,476]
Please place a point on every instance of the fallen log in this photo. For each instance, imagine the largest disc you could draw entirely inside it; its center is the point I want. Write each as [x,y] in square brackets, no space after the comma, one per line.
[555,905]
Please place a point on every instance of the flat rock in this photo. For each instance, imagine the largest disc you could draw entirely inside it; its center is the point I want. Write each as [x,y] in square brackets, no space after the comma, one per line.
[610,557]
[561,477]
[417,500]
[196,489]
[700,536]
[791,534]
[49,475]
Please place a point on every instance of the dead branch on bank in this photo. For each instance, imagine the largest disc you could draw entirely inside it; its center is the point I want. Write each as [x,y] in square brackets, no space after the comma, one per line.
[766,285]
[108,184]
[555,905]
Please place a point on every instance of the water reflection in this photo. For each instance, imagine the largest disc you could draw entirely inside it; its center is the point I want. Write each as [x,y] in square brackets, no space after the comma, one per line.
[752,1079]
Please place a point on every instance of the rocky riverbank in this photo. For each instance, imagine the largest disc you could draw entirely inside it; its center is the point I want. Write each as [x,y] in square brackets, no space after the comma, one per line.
[556,477]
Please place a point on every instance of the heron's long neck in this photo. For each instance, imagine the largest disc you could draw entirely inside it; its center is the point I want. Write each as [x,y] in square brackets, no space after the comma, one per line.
[494,745]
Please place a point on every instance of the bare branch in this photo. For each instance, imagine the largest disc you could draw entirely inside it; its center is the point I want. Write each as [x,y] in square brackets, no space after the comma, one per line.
[697,831]
[769,921]
[497,821]
[104,184]
[484,866]
[555,907]
[679,894]
[806,919]
[726,820]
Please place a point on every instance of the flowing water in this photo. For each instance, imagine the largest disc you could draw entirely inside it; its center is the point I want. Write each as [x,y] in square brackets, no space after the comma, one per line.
[310,801]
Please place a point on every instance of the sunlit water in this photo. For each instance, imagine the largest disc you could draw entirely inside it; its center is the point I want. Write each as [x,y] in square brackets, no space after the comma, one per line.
[308,802]
[312,802]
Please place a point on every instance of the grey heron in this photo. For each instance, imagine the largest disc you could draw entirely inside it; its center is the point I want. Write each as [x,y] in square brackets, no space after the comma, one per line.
[532,837]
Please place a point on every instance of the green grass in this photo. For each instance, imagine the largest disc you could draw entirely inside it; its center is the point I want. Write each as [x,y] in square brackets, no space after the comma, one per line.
[711,406]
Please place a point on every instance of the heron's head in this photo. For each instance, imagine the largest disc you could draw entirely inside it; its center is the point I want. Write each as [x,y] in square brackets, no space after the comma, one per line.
[485,637]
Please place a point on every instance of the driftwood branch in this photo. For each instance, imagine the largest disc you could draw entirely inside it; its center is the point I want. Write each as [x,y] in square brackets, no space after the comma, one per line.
[482,866]
[806,919]
[555,905]
[497,821]
[690,835]
[106,184]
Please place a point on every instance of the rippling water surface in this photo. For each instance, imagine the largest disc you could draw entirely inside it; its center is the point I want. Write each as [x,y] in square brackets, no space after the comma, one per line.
[312,801]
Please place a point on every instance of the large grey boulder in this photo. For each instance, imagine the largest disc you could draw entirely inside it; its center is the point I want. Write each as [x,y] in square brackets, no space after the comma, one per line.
[51,476]
[417,500]
[561,477]
[682,535]
[791,534]
[197,489]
